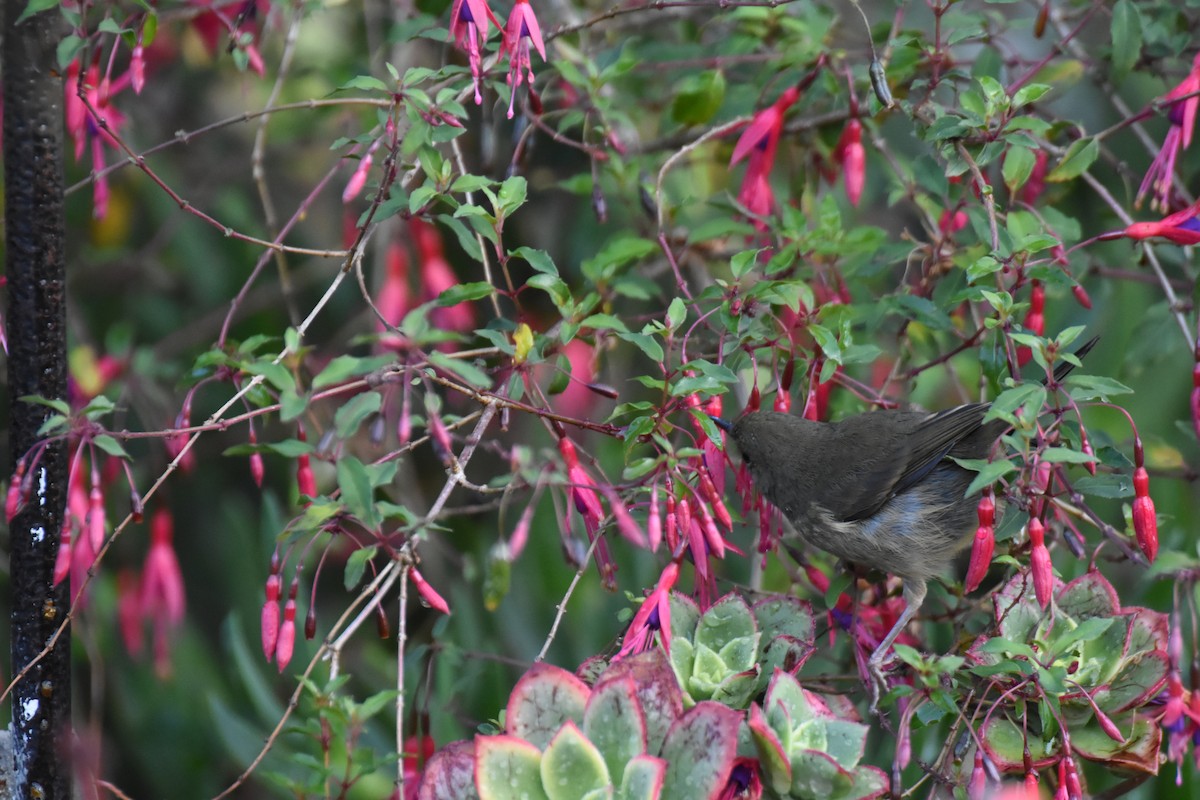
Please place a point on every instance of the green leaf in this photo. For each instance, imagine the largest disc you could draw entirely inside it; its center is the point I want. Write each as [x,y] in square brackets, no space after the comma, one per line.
[357,492]
[110,445]
[343,367]
[1063,455]
[538,259]
[58,405]
[36,7]
[511,196]
[1079,156]
[356,409]
[1126,38]
[356,564]
[1092,387]
[366,83]
[647,344]
[462,292]
[1018,164]
[553,286]
[676,313]
[989,472]
[699,98]
[462,368]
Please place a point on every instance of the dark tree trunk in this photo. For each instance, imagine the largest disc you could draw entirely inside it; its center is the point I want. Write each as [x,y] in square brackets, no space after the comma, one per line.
[36,323]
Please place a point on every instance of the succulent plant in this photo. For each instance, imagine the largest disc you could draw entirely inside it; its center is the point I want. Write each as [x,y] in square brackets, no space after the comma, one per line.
[722,654]
[1097,663]
[806,750]
[627,737]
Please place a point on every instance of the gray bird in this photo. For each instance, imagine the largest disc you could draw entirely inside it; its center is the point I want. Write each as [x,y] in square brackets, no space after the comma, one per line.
[878,489]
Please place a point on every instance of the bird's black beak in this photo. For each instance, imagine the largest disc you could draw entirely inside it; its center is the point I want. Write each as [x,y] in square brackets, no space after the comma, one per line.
[723,424]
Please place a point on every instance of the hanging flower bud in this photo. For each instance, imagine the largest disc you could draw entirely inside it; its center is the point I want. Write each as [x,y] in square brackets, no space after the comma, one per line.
[1031,785]
[15,499]
[1074,790]
[709,491]
[852,159]
[672,532]
[137,67]
[286,644]
[62,562]
[305,480]
[520,534]
[712,536]
[1196,394]
[1043,571]
[310,622]
[654,521]
[626,526]
[1086,446]
[95,517]
[984,545]
[977,786]
[358,180]
[1145,521]
[382,626]
[783,401]
[755,401]
[428,594]
[270,616]
[1081,296]
[256,462]
[1035,320]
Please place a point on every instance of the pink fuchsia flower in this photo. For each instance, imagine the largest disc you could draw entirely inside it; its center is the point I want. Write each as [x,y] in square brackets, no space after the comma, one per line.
[1039,558]
[87,130]
[852,158]
[162,597]
[653,616]
[1035,320]
[1145,521]
[394,300]
[1182,228]
[759,142]
[984,545]
[1181,113]
[436,276]
[428,594]
[521,31]
[469,27]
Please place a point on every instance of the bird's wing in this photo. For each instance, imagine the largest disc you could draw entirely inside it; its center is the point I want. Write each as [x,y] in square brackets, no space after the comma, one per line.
[926,446]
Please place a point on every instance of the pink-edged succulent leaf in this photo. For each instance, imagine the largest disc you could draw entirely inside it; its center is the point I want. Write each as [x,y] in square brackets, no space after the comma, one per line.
[572,767]
[1016,608]
[685,615]
[659,696]
[506,766]
[869,783]
[1089,595]
[1138,753]
[1148,630]
[542,701]
[643,778]
[613,721]
[772,757]
[450,774]
[1004,745]
[1139,680]
[789,621]
[700,749]
[817,775]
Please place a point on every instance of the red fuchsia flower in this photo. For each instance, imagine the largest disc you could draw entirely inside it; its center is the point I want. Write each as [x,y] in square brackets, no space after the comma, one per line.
[521,31]
[469,27]
[760,141]
[436,276]
[985,543]
[1035,320]
[358,180]
[1181,113]
[394,300]
[653,616]
[1039,562]
[1182,228]
[85,128]
[852,158]
[235,18]
[129,611]
[1145,522]
[582,490]
[162,596]
[744,782]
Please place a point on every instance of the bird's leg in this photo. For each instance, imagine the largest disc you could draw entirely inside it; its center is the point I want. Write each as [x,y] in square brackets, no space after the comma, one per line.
[914,596]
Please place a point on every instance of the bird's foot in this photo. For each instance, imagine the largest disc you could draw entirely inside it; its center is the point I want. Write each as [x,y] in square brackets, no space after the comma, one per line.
[877,685]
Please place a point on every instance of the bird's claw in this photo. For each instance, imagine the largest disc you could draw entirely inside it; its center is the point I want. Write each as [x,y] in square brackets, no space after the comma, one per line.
[877,685]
